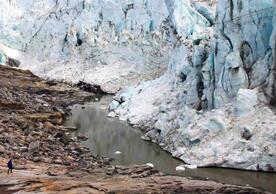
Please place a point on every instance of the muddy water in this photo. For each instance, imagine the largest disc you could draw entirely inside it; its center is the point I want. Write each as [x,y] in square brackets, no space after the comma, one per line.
[106,136]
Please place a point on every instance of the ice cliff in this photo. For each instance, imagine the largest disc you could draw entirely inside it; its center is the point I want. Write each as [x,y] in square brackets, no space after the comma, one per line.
[200,81]
[118,42]
[212,107]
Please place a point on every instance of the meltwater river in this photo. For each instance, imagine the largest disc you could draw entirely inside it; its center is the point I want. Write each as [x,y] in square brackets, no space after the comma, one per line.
[108,135]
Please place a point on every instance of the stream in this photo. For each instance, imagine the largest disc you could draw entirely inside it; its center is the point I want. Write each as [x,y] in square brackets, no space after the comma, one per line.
[109,135]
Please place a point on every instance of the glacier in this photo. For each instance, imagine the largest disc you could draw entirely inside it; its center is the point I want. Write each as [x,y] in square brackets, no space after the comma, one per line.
[197,76]
[212,107]
[119,42]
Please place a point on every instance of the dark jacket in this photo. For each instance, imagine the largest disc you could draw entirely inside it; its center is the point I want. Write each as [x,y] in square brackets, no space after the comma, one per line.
[10,166]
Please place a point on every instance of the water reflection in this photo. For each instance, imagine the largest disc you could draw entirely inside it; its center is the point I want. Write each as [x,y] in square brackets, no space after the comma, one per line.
[106,136]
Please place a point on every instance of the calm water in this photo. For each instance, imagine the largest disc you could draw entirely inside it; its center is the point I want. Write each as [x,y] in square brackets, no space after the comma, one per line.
[106,136]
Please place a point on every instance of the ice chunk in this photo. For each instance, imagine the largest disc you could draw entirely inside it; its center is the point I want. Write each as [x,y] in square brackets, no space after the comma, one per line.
[180,168]
[150,165]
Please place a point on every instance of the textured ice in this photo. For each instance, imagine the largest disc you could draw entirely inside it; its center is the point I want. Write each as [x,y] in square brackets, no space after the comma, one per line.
[231,73]
[112,43]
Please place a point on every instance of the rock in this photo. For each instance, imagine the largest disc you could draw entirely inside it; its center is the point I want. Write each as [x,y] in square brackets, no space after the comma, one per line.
[47,160]
[70,128]
[34,147]
[49,173]
[23,149]
[13,62]
[89,87]
[48,125]
[146,138]
[69,158]
[36,159]
[82,137]
[2,149]
[63,138]
[152,134]
[246,133]
[58,161]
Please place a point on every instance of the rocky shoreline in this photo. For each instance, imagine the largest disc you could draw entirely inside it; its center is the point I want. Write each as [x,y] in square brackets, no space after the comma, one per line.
[48,158]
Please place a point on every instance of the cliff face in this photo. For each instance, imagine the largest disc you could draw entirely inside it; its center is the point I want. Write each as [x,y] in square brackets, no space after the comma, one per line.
[232,73]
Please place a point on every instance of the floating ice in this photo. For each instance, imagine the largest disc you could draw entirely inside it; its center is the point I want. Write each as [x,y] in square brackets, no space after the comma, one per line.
[180,168]
[190,166]
[150,165]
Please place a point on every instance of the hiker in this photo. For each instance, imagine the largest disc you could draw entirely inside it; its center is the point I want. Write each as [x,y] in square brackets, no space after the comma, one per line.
[10,166]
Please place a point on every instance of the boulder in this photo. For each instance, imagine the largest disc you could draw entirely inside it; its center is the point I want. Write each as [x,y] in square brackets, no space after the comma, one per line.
[2,149]
[34,147]
[246,133]
[48,125]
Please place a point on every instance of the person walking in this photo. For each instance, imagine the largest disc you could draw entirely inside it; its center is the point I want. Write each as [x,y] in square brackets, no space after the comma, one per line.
[10,166]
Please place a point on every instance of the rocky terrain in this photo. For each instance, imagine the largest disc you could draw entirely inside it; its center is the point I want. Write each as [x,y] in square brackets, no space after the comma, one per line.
[32,111]
[49,158]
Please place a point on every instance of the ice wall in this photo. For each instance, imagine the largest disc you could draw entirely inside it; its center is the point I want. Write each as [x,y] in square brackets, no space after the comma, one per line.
[112,43]
[242,47]
[211,107]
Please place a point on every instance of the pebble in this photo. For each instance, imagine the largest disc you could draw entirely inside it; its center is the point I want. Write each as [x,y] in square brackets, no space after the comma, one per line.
[36,159]
[23,149]
[58,161]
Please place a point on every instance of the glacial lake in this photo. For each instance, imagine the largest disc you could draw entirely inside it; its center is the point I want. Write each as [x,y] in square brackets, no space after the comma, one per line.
[108,135]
